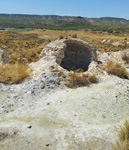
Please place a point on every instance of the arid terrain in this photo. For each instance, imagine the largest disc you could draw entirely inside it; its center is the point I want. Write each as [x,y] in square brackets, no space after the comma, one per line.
[70,93]
[29,44]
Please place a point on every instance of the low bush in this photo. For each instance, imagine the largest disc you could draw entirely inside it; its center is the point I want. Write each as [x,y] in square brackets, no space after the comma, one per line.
[74,36]
[81,79]
[61,37]
[116,69]
[13,73]
[123,141]
[125,57]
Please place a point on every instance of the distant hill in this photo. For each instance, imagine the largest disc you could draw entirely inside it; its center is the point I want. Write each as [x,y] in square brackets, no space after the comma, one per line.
[63,22]
[109,20]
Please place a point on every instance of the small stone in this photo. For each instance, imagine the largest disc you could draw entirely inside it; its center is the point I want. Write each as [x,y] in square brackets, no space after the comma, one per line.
[29,126]
[47,144]
[32,92]
[42,86]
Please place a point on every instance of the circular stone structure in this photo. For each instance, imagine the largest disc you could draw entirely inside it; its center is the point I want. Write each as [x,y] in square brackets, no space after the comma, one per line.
[70,54]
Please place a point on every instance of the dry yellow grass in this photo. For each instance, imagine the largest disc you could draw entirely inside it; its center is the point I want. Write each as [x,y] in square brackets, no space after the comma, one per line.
[95,38]
[116,69]
[13,73]
[80,79]
[29,44]
[21,45]
[123,141]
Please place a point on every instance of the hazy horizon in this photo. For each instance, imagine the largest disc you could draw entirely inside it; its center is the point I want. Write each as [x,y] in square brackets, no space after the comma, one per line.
[61,15]
[83,8]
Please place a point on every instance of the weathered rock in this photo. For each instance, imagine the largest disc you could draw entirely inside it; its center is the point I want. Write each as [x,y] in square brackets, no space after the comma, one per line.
[70,54]
[108,41]
[103,41]
[117,43]
[4,55]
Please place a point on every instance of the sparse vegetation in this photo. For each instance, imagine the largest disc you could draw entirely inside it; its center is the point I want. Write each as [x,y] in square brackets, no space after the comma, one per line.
[125,57]
[94,38]
[74,36]
[61,37]
[21,45]
[123,141]
[80,79]
[29,44]
[116,69]
[79,70]
[13,73]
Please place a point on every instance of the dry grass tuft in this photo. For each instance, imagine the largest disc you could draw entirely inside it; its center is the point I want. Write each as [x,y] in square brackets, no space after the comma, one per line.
[61,37]
[117,69]
[13,73]
[93,78]
[80,79]
[74,36]
[125,57]
[79,70]
[123,142]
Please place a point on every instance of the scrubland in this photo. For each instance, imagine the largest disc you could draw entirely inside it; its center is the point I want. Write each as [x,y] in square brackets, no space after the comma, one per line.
[29,44]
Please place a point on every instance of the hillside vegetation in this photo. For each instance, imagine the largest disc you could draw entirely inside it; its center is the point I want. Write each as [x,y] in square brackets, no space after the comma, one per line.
[55,22]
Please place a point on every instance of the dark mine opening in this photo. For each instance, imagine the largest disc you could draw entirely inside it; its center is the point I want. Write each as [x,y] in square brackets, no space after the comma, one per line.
[75,57]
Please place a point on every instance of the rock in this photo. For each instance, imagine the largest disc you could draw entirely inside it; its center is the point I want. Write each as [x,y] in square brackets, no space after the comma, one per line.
[116,43]
[4,55]
[103,41]
[69,54]
[42,86]
[29,92]
[29,126]
[108,41]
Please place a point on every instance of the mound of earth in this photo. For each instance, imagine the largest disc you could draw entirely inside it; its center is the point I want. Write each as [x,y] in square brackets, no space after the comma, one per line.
[43,114]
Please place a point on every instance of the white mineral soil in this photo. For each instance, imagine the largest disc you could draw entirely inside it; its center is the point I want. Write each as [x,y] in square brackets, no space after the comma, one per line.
[33,117]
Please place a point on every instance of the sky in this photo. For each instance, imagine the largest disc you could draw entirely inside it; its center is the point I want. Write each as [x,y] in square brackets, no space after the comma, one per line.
[84,8]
